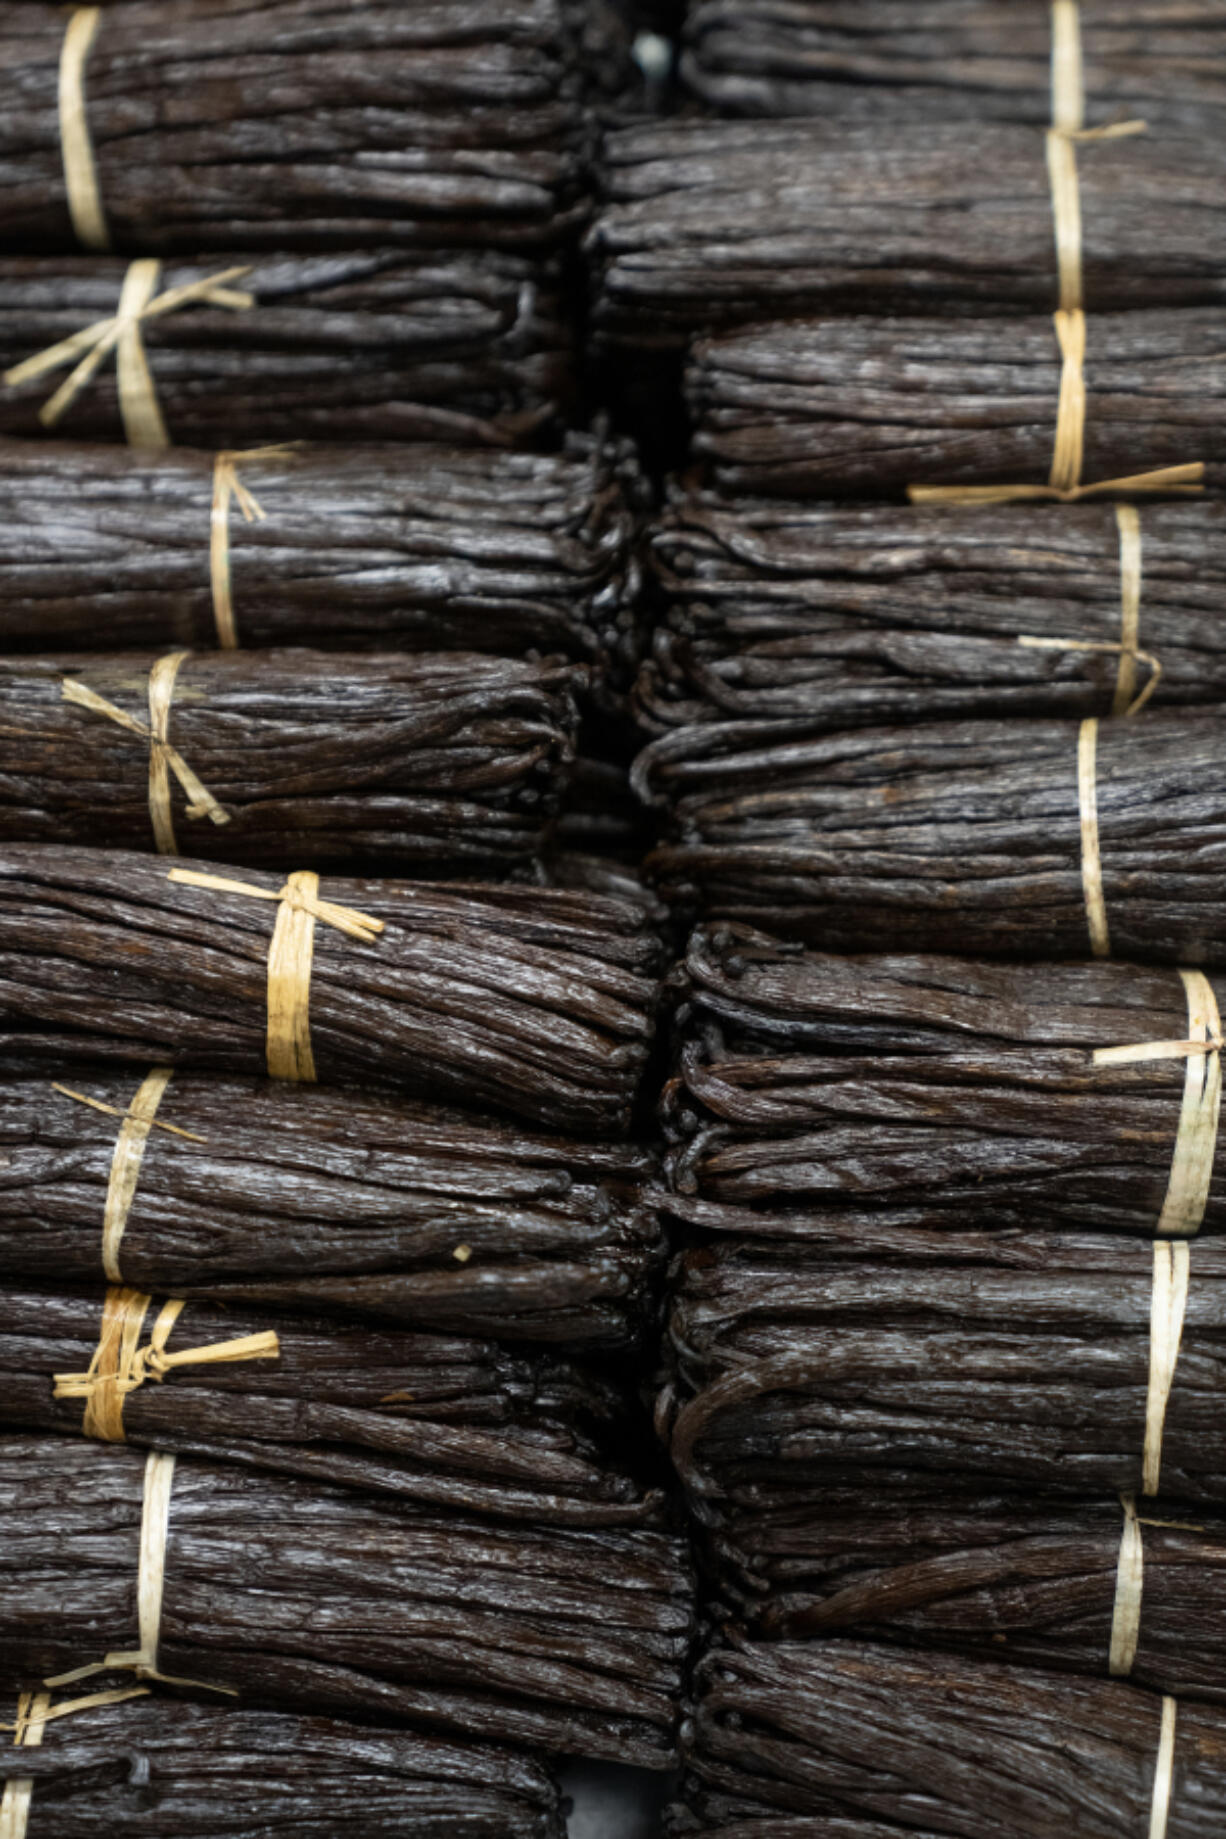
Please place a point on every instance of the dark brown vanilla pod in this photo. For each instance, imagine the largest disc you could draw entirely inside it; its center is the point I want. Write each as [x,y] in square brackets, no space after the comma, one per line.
[842,1740]
[378,1409]
[325,1599]
[303,1197]
[287,122]
[966,833]
[716,224]
[867,406]
[408,548]
[533,1001]
[792,619]
[946,59]
[1013,1577]
[824,1098]
[162,1768]
[357,345]
[429,762]
[1013,1359]
[424,762]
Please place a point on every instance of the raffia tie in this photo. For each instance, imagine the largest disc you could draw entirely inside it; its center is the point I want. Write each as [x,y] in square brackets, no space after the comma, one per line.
[121,1365]
[86,350]
[1187,1193]
[1127,699]
[1164,1769]
[1064,483]
[1129,1585]
[1091,854]
[150,1583]
[137,1121]
[35,1711]
[287,1047]
[227,486]
[76,147]
[163,758]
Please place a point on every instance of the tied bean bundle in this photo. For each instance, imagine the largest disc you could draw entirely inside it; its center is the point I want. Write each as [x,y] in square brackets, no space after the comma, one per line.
[786,620]
[818,1098]
[1021,1358]
[324,1599]
[245,123]
[443,1422]
[266,1192]
[867,406]
[355,345]
[946,59]
[716,224]
[834,1740]
[430,763]
[160,1768]
[1009,1577]
[534,1001]
[410,548]
[966,832]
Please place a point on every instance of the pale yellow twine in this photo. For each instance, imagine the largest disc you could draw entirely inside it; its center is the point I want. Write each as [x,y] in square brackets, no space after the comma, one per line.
[228,486]
[35,1711]
[86,350]
[163,758]
[76,147]
[1064,483]
[120,1365]
[287,1050]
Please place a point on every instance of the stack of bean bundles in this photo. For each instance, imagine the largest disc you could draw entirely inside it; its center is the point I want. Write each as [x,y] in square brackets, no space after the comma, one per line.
[933,731]
[331,1229]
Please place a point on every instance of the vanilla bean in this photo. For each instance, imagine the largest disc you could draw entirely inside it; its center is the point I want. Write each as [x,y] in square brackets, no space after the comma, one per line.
[944,59]
[430,763]
[246,123]
[820,1098]
[837,1740]
[325,1599]
[788,620]
[966,832]
[264,1192]
[1010,1577]
[871,406]
[445,1422]
[1015,1358]
[536,1001]
[715,224]
[408,548]
[161,1768]
[380,345]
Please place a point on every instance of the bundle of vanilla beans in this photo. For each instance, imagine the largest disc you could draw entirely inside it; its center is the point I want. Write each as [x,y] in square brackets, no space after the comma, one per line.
[864,405]
[714,224]
[785,620]
[416,548]
[1009,1576]
[1022,1357]
[326,1599]
[446,1422]
[463,346]
[258,123]
[955,59]
[150,1766]
[966,833]
[534,1001]
[838,1740]
[265,1192]
[421,762]
[819,1100]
